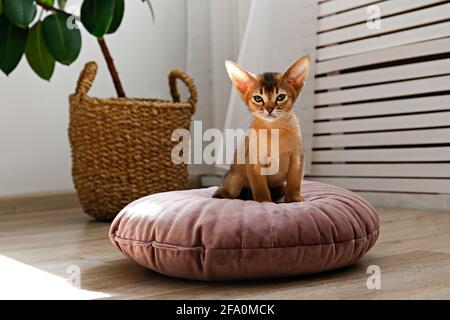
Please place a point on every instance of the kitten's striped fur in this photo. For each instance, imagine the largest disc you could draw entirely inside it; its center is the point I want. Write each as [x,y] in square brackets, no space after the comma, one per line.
[270,97]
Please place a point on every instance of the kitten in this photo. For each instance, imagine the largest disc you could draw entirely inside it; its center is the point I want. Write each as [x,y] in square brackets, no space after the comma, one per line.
[270,98]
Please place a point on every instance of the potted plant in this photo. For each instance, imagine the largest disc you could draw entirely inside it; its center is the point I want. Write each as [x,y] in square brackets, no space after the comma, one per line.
[121,147]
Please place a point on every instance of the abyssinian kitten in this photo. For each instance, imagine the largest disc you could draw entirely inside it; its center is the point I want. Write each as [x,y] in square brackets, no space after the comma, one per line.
[270,97]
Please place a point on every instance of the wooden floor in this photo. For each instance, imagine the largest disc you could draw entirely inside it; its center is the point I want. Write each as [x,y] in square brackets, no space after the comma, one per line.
[39,251]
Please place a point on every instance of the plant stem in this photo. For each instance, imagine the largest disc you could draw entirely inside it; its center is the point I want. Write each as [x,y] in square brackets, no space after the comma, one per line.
[111,67]
[104,48]
[50,8]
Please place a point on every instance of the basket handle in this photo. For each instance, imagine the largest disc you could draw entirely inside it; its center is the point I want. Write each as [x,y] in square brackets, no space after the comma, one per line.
[87,76]
[183,76]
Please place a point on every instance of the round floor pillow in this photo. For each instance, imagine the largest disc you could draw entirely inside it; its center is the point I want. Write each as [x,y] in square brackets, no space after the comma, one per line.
[189,234]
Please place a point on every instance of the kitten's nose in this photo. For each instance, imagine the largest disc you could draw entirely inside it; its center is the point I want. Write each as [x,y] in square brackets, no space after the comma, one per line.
[269,109]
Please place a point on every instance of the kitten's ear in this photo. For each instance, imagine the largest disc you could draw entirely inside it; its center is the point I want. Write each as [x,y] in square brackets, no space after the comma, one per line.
[241,78]
[298,72]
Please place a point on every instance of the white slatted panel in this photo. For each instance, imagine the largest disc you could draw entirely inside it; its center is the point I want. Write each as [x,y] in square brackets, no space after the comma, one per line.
[390,7]
[404,72]
[435,31]
[392,107]
[394,23]
[392,185]
[427,170]
[391,138]
[384,155]
[382,103]
[427,120]
[334,6]
[413,50]
[390,90]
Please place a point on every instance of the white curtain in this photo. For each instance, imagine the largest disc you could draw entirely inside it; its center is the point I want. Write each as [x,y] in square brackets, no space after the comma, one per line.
[261,35]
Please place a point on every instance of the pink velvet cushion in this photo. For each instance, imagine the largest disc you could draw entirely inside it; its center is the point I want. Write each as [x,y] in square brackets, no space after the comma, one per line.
[189,234]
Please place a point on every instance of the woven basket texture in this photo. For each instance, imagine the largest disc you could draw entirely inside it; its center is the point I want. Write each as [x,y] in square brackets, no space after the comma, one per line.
[121,147]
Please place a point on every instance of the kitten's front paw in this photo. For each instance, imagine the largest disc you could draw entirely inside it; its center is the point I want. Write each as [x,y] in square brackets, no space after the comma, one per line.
[219,195]
[293,198]
[222,193]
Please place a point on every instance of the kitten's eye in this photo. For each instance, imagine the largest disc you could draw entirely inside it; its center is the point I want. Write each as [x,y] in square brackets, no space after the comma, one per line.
[281,97]
[258,99]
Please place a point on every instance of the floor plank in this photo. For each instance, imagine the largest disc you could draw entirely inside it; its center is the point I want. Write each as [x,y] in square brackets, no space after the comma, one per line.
[413,254]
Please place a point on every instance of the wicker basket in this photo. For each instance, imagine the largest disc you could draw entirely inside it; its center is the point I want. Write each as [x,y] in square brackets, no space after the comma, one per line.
[121,148]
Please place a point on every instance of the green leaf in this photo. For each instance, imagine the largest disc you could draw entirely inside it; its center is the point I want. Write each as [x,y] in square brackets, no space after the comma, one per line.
[39,59]
[97,16]
[20,12]
[119,9]
[12,45]
[61,39]
[51,3]
[62,4]
[1,7]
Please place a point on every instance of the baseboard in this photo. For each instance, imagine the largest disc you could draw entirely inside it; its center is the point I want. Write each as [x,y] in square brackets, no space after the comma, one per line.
[69,200]
[194,181]
[210,180]
[33,202]
[205,180]
[47,201]
[439,202]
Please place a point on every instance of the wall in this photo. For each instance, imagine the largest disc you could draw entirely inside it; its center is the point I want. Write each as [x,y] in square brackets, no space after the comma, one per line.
[34,148]
[215,29]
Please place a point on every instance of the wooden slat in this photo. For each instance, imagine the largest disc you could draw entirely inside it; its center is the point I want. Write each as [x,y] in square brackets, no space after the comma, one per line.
[383,155]
[360,14]
[425,170]
[383,138]
[395,23]
[385,55]
[435,31]
[391,185]
[434,103]
[428,120]
[403,72]
[334,6]
[384,91]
